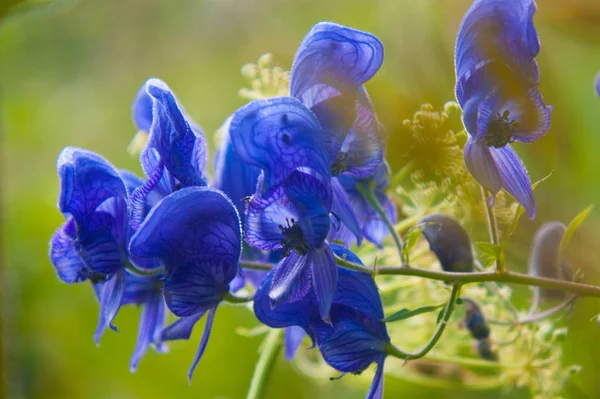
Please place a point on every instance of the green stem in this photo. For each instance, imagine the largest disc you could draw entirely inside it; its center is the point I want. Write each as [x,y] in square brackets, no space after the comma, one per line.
[492,227]
[465,278]
[136,271]
[394,351]
[406,170]
[533,318]
[493,288]
[229,297]
[367,192]
[271,348]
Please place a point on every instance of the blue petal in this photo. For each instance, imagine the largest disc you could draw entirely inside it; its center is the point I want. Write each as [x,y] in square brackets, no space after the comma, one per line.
[449,241]
[235,178]
[336,56]
[153,318]
[111,293]
[345,253]
[139,288]
[502,31]
[265,215]
[597,84]
[196,233]
[279,135]
[376,390]
[530,111]
[293,337]
[67,262]
[160,179]
[181,329]
[142,110]
[86,181]
[291,281]
[336,115]
[515,179]
[343,209]
[480,163]
[181,147]
[324,273]
[203,342]
[358,291]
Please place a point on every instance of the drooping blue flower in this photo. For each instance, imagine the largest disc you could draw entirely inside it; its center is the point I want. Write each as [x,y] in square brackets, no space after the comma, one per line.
[449,241]
[175,154]
[356,336]
[196,234]
[372,226]
[497,81]
[91,245]
[477,325]
[294,217]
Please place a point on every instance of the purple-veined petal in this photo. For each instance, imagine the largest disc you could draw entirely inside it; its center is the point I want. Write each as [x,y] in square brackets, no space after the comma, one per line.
[180,147]
[293,337]
[139,288]
[110,302]
[375,229]
[335,115]
[376,390]
[358,291]
[482,166]
[279,135]
[160,178]
[515,179]
[87,180]
[152,317]
[324,273]
[342,208]
[181,329]
[532,114]
[203,342]
[291,280]
[334,55]
[67,262]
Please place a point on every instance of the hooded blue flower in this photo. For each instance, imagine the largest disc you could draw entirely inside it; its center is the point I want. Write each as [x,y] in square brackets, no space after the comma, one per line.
[195,233]
[372,226]
[91,245]
[294,217]
[356,336]
[175,154]
[497,81]
[449,241]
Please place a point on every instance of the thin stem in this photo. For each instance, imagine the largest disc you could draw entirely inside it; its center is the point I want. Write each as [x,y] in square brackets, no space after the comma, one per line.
[533,318]
[136,271]
[493,228]
[403,173]
[367,192]
[229,297]
[256,265]
[271,348]
[465,278]
[394,351]
[495,289]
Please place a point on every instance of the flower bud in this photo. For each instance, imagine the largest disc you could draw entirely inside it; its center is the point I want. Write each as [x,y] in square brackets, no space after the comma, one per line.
[544,260]
[484,350]
[475,321]
[449,241]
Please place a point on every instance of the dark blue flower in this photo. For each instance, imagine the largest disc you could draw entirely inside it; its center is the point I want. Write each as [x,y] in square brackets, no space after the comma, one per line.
[477,325]
[294,217]
[91,245]
[175,155]
[356,336]
[449,241]
[497,81]
[196,234]
[371,224]
[597,84]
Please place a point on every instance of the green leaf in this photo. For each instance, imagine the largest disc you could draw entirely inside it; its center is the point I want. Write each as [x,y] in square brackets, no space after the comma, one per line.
[488,253]
[572,227]
[406,314]
[410,239]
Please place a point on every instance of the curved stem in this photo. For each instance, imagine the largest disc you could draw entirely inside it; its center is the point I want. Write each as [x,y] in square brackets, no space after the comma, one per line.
[367,192]
[465,278]
[492,227]
[394,351]
[229,297]
[272,346]
[532,318]
[136,271]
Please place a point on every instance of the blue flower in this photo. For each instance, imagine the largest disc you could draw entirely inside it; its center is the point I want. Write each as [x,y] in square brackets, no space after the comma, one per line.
[497,81]
[195,233]
[371,224]
[449,241]
[476,324]
[356,336]
[294,217]
[597,84]
[91,245]
[175,155]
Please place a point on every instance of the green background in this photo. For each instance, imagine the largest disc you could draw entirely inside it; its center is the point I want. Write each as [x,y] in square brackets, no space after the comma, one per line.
[68,74]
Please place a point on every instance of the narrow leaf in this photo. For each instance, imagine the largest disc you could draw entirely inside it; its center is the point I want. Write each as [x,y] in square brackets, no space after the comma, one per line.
[406,314]
[488,253]
[410,239]
[572,227]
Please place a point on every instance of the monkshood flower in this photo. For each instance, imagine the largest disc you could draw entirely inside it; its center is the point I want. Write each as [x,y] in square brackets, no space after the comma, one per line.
[195,233]
[449,241]
[175,154]
[294,217]
[91,245]
[372,225]
[545,260]
[356,337]
[497,87]
[477,325]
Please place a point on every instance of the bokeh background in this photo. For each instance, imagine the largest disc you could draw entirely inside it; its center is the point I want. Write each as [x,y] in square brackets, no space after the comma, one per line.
[69,71]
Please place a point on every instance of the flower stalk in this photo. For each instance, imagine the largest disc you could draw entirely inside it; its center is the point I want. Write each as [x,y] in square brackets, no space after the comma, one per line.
[271,347]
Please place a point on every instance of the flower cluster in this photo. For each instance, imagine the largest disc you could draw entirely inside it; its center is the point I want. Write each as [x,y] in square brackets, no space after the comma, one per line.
[300,187]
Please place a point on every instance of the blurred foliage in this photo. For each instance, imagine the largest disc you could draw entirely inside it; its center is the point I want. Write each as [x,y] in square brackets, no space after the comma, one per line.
[68,76]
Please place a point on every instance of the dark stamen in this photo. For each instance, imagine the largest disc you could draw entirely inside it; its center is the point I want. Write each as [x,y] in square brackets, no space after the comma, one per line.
[501,130]
[293,238]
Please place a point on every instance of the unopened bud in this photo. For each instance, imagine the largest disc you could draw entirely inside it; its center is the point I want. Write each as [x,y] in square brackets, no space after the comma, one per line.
[449,241]
[475,320]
